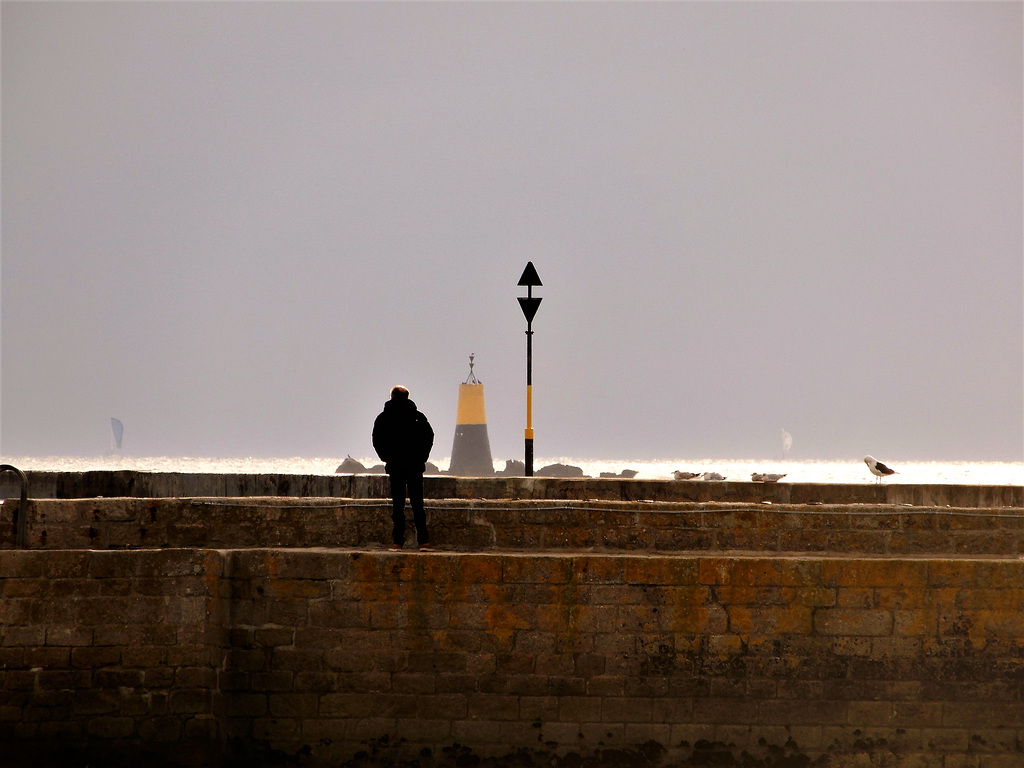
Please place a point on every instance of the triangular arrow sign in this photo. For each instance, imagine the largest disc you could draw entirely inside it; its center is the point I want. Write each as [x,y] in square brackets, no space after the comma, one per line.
[530,276]
[529,307]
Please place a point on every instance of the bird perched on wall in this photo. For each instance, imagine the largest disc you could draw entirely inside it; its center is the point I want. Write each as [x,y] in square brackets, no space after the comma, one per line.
[878,469]
[767,477]
[713,476]
[686,475]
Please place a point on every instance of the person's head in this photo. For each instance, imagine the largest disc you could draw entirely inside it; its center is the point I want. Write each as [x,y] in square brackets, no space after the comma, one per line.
[398,392]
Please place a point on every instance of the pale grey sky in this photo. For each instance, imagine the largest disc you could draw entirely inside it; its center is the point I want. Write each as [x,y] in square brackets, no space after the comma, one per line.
[234,225]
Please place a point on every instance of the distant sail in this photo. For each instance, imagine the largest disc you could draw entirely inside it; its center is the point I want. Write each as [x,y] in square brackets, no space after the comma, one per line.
[787,443]
[118,431]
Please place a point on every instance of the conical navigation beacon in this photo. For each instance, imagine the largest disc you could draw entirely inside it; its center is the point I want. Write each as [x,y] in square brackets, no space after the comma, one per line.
[471,450]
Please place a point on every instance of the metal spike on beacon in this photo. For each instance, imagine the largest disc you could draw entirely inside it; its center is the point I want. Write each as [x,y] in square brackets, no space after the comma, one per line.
[471,450]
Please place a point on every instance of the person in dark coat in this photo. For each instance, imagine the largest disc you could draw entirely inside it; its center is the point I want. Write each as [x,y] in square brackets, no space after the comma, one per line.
[402,437]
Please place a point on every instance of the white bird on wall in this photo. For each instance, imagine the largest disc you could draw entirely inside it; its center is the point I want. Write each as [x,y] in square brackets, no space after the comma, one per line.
[686,475]
[878,469]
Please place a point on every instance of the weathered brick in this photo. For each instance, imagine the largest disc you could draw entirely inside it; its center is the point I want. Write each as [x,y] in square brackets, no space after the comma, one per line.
[451,706]
[25,588]
[595,619]
[493,707]
[18,611]
[466,683]
[48,658]
[127,635]
[771,620]
[293,705]
[67,565]
[156,730]
[373,727]
[62,731]
[900,647]
[555,664]
[14,636]
[612,734]
[189,701]
[93,658]
[289,658]
[647,733]
[193,677]
[185,654]
[275,729]
[857,623]
[953,740]
[316,682]
[111,727]
[444,662]
[95,702]
[626,710]
[469,641]
[667,571]
[583,709]
[245,704]
[982,714]
[25,564]
[117,678]
[476,731]
[362,705]
[548,570]
[287,611]
[670,709]
[325,730]
[883,573]
[476,569]
[363,682]
[334,613]
[273,636]
[787,711]
[296,588]
[414,683]
[543,708]
[599,570]
[709,710]
[200,728]
[420,730]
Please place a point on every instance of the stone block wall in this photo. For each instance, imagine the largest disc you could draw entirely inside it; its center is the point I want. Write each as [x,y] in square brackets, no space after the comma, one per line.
[447,658]
[112,654]
[129,483]
[679,657]
[482,525]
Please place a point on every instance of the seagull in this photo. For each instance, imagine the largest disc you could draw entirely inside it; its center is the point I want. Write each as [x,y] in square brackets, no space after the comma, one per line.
[770,477]
[878,469]
[713,476]
[686,475]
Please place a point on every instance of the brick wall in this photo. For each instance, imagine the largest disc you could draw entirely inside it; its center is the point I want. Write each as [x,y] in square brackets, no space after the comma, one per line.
[108,483]
[503,525]
[325,654]
[117,650]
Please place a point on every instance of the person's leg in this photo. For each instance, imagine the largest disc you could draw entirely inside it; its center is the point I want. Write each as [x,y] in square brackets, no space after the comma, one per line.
[397,509]
[419,514]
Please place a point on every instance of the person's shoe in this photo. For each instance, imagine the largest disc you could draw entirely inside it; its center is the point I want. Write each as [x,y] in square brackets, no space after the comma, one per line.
[395,547]
[426,548]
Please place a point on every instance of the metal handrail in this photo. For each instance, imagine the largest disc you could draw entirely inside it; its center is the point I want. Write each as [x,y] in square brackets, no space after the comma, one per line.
[22,517]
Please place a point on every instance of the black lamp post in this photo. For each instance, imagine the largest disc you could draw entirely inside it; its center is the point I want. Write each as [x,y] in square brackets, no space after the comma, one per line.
[529,306]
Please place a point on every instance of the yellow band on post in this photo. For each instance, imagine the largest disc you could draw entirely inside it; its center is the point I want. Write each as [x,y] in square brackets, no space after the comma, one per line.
[529,408]
[529,434]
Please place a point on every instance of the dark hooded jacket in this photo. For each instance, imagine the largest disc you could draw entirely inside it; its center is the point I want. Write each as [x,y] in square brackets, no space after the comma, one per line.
[402,437]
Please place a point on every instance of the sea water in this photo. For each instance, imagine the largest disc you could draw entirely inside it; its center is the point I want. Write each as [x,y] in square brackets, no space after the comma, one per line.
[849,471]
